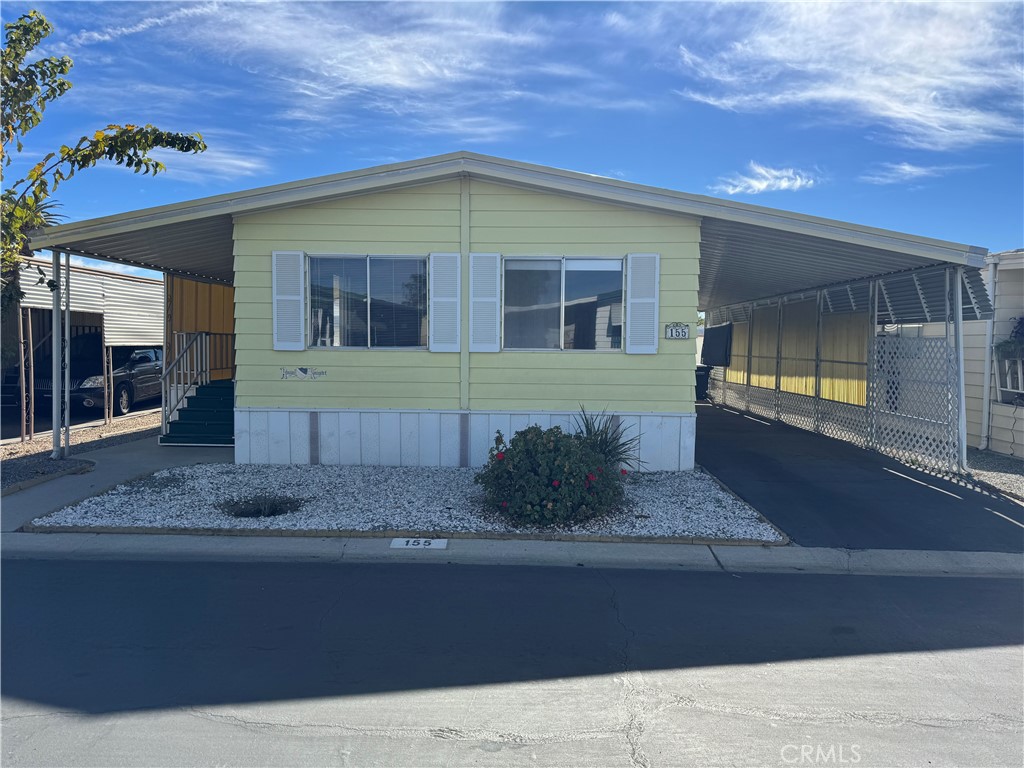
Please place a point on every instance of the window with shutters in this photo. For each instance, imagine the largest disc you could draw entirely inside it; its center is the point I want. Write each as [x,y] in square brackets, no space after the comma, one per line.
[368,301]
[567,303]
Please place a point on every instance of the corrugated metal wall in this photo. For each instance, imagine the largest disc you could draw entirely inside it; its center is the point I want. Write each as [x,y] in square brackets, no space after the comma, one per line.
[132,307]
[193,306]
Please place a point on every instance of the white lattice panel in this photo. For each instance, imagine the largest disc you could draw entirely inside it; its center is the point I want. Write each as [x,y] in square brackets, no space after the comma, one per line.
[913,396]
[762,402]
[843,421]
[716,381]
[797,410]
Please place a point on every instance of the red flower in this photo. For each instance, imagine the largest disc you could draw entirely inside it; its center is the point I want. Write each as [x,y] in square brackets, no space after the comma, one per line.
[591,476]
[504,503]
[624,472]
[555,483]
[499,455]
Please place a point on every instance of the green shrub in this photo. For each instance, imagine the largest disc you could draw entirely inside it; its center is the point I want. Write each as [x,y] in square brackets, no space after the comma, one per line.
[547,477]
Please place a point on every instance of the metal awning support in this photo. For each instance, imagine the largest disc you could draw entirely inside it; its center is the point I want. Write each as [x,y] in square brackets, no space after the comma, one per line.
[60,374]
[958,325]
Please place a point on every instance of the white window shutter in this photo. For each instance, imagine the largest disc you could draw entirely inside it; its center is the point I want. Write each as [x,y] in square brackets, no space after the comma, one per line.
[445,324]
[289,291]
[484,302]
[642,286]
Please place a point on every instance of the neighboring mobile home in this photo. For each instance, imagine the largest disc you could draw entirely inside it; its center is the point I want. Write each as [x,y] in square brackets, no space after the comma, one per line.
[403,314]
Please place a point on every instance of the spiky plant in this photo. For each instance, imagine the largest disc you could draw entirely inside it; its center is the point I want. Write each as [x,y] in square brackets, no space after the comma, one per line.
[606,435]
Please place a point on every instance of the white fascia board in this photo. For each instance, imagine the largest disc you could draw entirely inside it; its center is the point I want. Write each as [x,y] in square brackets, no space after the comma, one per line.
[708,207]
[233,205]
[521,174]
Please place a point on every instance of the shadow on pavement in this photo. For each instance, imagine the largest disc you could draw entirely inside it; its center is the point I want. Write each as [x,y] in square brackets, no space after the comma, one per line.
[113,636]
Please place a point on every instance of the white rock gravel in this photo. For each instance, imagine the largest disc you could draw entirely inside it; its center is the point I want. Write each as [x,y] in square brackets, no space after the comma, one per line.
[999,470]
[409,499]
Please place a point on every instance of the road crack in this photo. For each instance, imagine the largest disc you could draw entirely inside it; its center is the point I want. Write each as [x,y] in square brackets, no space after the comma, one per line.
[636,693]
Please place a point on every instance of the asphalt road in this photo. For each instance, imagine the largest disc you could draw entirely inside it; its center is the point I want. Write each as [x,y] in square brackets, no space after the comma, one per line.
[194,663]
[829,493]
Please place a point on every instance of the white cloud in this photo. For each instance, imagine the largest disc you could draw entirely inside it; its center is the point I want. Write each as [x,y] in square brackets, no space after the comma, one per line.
[218,163]
[416,64]
[761,178]
[113,32]
[901,173]
[935,76]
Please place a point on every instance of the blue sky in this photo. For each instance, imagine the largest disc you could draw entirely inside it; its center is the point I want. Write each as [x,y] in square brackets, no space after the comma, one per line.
[906,116]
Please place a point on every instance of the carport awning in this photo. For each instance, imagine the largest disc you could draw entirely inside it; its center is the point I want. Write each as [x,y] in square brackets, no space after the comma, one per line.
[747,252]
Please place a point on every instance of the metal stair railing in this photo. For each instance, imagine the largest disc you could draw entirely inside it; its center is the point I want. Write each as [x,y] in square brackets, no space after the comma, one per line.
[190,369]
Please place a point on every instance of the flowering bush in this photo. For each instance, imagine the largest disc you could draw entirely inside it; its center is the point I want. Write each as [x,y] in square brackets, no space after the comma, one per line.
[547,477]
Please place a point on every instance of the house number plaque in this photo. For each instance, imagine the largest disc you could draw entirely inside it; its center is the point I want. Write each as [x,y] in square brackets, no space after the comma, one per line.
[419,543]
[677,331]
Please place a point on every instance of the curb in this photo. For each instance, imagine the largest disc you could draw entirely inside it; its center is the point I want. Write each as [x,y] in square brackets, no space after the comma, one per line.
[375,548]
[398,533]
[88,466]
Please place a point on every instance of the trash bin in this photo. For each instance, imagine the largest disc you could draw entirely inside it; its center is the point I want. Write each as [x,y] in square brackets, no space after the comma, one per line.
[703,374]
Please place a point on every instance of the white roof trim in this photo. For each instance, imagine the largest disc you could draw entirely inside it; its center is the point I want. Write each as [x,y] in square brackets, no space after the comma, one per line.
[510,172]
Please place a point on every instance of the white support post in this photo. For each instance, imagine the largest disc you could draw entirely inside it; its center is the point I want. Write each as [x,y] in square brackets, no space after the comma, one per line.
[66,365]
[870,399]
[778,364]
[958,320]
[21,369]
[986,393]
[56,343]
[750,355]
[817,364]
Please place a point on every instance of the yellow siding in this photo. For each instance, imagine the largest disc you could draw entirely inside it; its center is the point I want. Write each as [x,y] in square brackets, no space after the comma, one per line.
[764,347]
[417,220]
[844,355]
[514,221]
[507,220]
[736,373]
[799,340]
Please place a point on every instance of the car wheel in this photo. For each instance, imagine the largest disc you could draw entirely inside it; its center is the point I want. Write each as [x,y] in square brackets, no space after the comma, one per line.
[122,400]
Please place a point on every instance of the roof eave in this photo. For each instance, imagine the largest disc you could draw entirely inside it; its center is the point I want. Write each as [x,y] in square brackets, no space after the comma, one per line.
[501,170]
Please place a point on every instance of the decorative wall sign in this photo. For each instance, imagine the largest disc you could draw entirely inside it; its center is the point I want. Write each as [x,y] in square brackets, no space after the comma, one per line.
[305,374]
[677,331]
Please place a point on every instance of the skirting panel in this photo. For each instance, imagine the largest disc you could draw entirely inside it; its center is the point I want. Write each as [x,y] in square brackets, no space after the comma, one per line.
[430,438]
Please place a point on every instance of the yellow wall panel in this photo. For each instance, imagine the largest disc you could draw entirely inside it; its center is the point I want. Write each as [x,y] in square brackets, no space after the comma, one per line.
[799,342]
[736,373]
[502,219]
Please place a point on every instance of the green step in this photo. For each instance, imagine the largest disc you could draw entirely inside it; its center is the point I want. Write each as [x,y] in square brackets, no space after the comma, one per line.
[190,440]
[205,418]
[190,415]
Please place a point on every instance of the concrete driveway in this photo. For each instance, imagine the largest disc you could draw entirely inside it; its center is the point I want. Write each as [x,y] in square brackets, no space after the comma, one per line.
[827,493]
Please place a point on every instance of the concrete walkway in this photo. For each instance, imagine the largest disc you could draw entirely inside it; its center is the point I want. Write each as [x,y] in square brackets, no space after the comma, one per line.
[115,465]
[128,461]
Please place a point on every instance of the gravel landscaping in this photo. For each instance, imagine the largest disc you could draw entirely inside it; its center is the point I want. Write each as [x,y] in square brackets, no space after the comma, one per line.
[399,499]
[21,462]
[998,470]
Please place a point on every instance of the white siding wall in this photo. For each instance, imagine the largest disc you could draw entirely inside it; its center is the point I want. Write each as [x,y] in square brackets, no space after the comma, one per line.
[1009,303]
[429,438]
